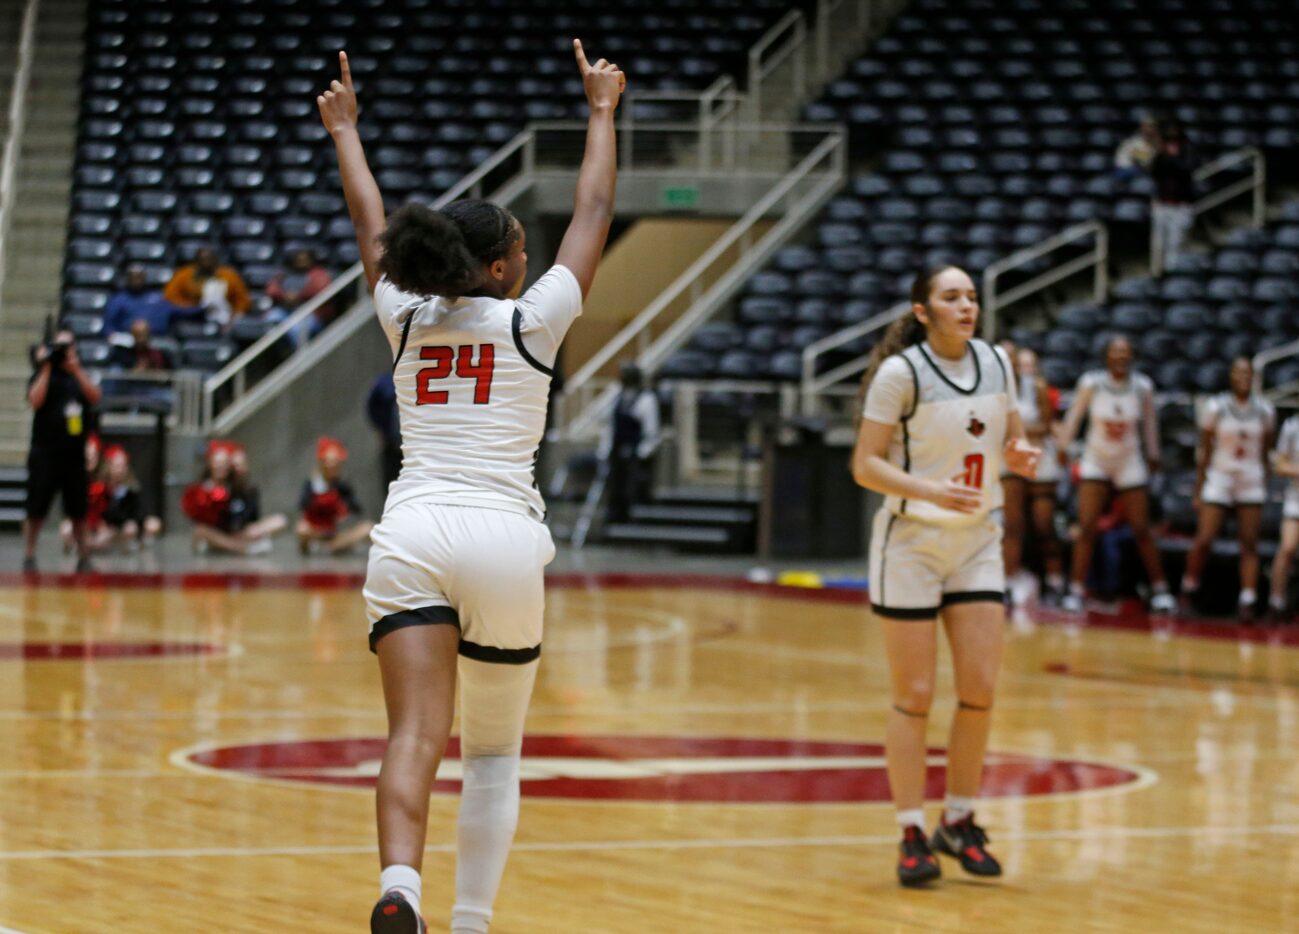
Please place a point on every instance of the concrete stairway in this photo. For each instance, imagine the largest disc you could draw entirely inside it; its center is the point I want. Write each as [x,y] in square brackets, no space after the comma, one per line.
[34,261]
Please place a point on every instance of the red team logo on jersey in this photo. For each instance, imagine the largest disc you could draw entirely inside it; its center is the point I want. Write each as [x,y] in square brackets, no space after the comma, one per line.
[669,768]
[976,428]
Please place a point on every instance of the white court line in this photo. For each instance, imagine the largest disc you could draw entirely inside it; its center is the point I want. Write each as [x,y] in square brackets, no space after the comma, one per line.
[5,930]
[595,846]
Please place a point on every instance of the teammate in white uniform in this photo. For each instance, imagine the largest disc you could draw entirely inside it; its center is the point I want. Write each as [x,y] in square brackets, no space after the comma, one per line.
[1119,405]
[454,586]
[939,417]
[1285,462]
[1032,496]
[1236,433]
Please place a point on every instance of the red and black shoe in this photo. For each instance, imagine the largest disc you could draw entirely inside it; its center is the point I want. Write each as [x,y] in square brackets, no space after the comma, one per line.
[966,841]
[917,863]
[394,915]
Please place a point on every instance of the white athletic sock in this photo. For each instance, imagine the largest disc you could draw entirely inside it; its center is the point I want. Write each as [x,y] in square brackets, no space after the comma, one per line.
[957,808]
[489,813]
[1190,584]
[1077,589]
[1277,603]
[1247,597]
[405,880]
[911,818]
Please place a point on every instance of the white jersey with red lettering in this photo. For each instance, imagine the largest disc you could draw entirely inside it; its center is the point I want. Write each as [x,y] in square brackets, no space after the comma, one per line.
[1287,445]
[1239,432]
[1114,416]
[953,431]
[472,377]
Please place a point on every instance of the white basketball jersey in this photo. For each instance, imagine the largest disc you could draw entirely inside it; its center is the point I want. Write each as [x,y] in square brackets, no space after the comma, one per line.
[1287,445]
[1239,431]
[1029,413]
[1114,415]
[953,432]
[472,392]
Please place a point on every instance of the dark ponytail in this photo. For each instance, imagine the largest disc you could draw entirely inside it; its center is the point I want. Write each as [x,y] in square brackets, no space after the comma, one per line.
[427,252]
[903,332]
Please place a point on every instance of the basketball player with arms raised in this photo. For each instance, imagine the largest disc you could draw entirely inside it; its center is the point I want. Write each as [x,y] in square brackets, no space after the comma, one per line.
[939,419]
[454,588]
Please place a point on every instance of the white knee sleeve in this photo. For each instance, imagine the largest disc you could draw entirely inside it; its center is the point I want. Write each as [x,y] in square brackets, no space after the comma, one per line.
[493,704]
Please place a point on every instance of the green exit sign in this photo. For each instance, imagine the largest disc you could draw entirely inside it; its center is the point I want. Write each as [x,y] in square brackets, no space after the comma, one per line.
[681,198]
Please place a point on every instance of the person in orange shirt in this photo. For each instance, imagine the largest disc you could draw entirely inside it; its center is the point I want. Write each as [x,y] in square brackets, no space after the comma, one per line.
[207,284]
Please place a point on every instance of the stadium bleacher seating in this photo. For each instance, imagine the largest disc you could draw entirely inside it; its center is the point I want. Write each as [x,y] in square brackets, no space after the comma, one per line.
[1001,131]
[199,125]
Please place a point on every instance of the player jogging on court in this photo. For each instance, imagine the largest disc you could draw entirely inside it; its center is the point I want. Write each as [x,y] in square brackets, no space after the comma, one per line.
[939,418]
[454,588]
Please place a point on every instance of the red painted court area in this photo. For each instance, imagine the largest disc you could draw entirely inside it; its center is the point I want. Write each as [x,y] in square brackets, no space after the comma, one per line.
[672,768]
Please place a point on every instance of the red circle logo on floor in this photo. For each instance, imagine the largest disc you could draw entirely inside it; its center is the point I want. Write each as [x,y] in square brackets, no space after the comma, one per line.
[671,768]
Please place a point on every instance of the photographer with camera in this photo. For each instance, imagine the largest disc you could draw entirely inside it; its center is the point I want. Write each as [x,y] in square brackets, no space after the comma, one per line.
[62,397]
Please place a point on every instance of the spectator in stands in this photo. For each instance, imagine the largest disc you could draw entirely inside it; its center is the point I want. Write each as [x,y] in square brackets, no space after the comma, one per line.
[208,285]
[116,513]
[1032,498]
[327,499]
[1286,464]
[225,506]
[1173,170]
[137,302]
[1134,155]
[1119,405]
[62,396]
[1236,434]
[303,280]
[629,443]
[142,356]
[381,408]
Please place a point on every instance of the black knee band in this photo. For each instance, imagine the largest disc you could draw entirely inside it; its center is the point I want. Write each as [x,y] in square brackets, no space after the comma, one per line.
[964,706]
[911,713]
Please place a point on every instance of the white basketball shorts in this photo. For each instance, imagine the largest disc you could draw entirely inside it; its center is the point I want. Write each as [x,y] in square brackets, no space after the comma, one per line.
[1237,488]
[917,569]
[1290,505]
[1128,473]
[478,569]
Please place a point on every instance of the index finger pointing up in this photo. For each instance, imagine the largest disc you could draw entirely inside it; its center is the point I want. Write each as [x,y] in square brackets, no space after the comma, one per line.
[345,69]
[581,56]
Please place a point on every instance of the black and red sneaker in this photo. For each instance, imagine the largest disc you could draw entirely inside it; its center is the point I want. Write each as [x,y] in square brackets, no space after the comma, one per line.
[394,915]
[917,863]
[966,841]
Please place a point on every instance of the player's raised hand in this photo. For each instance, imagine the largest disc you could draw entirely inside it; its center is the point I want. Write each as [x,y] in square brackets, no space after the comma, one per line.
[956,496]
[1022,457]
[338,104]
[603,81]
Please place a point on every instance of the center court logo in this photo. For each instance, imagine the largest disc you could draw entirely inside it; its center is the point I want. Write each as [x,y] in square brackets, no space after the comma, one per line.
[668,768]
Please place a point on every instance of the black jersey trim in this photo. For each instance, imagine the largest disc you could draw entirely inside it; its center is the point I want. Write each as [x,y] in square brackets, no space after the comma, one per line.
[906,431]
[884,552]
[978,370]
[405,336]
[490,653]
[908,614]
[974,596]
[516,328]
[421,616]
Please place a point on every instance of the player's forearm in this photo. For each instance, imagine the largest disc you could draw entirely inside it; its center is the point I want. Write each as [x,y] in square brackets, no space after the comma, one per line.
[597,178]
[875,473]
[361,191]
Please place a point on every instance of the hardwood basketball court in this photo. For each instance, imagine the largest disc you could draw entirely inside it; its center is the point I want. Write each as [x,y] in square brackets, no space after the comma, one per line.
[197,753]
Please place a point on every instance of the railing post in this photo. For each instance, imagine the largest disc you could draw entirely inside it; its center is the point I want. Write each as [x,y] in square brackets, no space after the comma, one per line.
[1260,189]
[990,303]
[1102,281]
[1156,243]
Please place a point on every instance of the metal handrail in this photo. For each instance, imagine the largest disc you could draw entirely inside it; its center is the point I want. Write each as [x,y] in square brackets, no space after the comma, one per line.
[1265,357]
[694,274]
[1098,258]
[813,385]
[236,369]
[17,124]
[1255,183]
[760,68]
